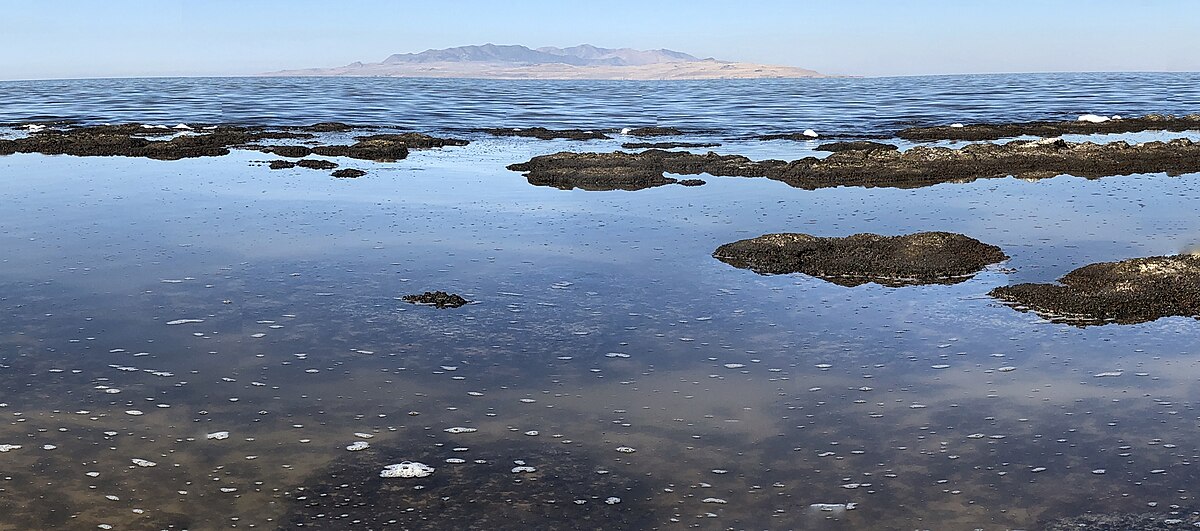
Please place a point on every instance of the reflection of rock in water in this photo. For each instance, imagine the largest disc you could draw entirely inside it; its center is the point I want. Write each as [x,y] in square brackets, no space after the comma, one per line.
[1127,522]
[1127,292]
[566,491]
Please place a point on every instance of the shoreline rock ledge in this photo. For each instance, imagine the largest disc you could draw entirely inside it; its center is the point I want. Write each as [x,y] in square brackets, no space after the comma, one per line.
[894,261]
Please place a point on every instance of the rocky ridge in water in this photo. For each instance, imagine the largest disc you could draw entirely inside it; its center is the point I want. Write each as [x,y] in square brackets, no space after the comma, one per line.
[1127,292]
[920,258]
[916,167]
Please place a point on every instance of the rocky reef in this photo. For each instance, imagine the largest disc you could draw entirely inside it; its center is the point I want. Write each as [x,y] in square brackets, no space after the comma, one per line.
[1126,292]
[1085,125]
[438,299]
[163,143]
[916,167]
[911,259]
[541,133]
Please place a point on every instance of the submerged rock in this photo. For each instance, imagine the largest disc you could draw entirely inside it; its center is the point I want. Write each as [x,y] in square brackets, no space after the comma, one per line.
[1126,292]
[281,164]
[1082,126]
[541,133]
[477,493]
[378,150]
[348,173]
[916,167]
[439,299]
[1126,522]
[920,258]
[328,127]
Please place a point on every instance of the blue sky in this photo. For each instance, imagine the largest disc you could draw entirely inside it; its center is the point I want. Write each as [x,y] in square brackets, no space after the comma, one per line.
[93,38]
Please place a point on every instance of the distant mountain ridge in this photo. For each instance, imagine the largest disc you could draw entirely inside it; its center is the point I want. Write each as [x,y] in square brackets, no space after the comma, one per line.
[585,61]
[582,55]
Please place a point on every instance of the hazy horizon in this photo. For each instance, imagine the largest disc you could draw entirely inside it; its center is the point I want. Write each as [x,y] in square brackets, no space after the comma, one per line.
[136,38]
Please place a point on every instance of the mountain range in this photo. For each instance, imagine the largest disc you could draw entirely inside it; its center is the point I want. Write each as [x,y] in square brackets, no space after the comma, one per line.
[576,62]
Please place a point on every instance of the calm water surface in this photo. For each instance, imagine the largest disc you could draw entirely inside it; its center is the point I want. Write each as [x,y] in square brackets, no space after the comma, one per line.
[601,322]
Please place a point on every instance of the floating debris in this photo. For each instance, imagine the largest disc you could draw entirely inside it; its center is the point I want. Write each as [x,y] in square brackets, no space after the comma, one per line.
[460,429]
[523,469]
[9,447]
[626,449]
[143,463]
[358,446]
[714,500]
[217,436]
[185,321]
[437,299]
[406,469]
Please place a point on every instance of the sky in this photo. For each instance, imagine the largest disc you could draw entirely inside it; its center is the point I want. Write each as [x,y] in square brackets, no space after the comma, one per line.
[117,38]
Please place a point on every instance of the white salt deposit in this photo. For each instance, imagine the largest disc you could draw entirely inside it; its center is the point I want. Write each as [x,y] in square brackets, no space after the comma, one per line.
[185,321]
[714,500]
[217,436]
[358,446]
[406,469]
[626,449]
[9,447]
[612,500]
[143,463]
[460,429]
[523,469]
[1093,118]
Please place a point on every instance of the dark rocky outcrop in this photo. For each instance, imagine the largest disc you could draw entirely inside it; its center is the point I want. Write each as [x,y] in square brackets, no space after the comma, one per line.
[653,131]
[378,150]
[439,299]
[668,145]
[858,145]
[294,152]
[316,164]
[415,140]
[281,164]
[1126,292]
[348,173]
[328,127]
[541,133]
[975,132]
[692,182]
[916,167]
[920,258]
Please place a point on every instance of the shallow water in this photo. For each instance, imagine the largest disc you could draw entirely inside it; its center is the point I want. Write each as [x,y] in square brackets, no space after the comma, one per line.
[601,322]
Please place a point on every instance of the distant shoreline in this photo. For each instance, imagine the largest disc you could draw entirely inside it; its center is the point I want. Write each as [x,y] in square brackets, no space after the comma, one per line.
[693,70]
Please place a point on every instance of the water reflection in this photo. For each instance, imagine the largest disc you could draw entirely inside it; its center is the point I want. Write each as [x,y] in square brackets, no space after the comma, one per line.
[603,323]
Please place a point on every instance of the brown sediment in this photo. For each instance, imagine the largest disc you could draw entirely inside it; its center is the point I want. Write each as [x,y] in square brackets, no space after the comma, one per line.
[348,173]
[481,493]
[654,131]
[914,168]
[911,259]
[542,133]
[1173,520]
[439,299]
[858,145]
[975,132]
[668,145]
[1126,292]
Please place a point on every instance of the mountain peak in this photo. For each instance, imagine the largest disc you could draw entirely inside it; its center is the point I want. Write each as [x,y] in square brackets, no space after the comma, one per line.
[581,55]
